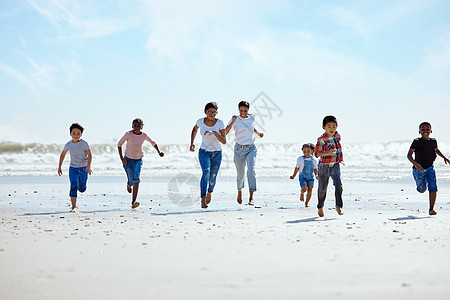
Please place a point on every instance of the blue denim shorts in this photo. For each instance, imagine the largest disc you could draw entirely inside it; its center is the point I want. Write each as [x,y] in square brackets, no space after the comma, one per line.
[424,179]
[306,180]
[133,170]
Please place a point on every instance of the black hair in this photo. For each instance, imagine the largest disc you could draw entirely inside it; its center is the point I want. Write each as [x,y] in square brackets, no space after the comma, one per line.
[424,124]
[211,105]
[139,121]
[309,145]
[76,126]
[244,103]
[329,119]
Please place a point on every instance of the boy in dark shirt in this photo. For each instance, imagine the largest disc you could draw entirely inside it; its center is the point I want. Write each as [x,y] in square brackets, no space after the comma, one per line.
[425,149]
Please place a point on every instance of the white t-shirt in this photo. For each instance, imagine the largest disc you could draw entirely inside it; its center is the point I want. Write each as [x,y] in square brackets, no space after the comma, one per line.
[243,130]
[301,163]
[210,141]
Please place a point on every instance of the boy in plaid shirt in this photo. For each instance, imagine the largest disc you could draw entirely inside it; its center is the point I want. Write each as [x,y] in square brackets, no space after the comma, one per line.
[328,148]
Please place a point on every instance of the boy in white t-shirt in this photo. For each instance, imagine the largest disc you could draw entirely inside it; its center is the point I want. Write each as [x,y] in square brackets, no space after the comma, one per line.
[307,168]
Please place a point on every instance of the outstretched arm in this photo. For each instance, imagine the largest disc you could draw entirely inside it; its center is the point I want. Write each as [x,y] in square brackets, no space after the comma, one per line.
[411,159]
[157,149]
[295,173]
[446,160]
[61,159]
[260,134]
[193,134]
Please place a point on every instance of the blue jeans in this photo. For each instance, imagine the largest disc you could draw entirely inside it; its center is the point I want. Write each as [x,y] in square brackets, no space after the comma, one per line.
[245,155]
[78,179]
[133,170]
[428,177]
[210,163]
[325,172]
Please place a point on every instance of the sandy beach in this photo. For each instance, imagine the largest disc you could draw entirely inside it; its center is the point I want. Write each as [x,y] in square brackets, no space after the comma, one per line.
[384,246]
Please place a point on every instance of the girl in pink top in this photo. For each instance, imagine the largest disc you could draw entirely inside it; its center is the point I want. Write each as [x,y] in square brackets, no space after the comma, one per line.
[132,162]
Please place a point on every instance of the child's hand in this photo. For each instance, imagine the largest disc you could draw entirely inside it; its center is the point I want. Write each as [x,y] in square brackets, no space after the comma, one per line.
[161,154]
[292,177]
[59,171]
[418,167]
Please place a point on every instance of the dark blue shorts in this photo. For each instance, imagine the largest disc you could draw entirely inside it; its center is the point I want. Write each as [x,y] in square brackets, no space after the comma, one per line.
[424,179]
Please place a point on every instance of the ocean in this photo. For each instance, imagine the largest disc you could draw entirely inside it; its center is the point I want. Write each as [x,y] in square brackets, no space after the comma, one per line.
[371,162]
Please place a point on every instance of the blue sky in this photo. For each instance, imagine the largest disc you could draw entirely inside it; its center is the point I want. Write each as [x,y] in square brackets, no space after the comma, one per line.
[381,67]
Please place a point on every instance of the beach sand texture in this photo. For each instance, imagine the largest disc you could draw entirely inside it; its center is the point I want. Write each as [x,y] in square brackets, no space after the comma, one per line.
[385,246]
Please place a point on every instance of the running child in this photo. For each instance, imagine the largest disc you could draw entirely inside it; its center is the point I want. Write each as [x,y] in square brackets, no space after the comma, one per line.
[425,150]
[80,163]
[329,149]
[132,162]
[307,168]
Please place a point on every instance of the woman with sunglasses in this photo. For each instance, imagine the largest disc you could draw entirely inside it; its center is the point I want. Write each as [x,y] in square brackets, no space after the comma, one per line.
[212,131]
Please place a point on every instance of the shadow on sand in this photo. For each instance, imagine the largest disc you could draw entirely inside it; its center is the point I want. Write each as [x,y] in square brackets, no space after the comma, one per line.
[199,211]
[315,219]
[409,218]
[68,212]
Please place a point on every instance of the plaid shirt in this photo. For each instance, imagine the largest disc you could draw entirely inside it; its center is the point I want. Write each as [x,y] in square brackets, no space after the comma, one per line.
[326,143]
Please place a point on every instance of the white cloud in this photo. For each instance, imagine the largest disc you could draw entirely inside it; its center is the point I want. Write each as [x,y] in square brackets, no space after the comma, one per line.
[39,78]
[17,75]
[83,19]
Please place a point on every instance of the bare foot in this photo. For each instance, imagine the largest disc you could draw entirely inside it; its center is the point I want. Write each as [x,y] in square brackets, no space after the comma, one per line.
[129,189]
[306,205]
[320,212]
[204,203]
[74,210]
[208,197]
[250,202]
[302,197]
[432,212]
[339,211]
[239,197]
[135,205]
